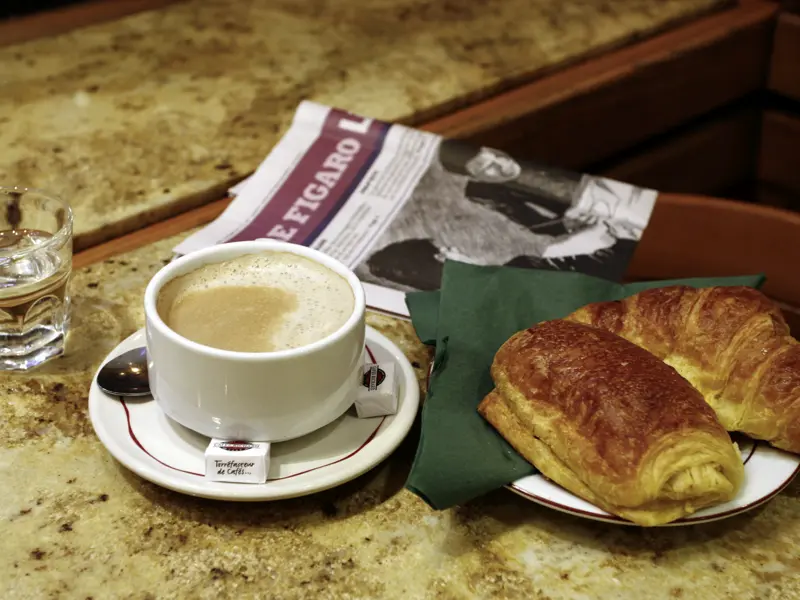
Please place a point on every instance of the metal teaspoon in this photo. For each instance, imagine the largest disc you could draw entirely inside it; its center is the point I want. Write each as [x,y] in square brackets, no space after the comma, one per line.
[126,374]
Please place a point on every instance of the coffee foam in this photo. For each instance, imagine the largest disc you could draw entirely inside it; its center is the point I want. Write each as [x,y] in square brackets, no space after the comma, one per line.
[322,300]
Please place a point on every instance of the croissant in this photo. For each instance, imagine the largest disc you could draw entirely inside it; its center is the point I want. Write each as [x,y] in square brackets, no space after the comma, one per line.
[611,423]
[731,343]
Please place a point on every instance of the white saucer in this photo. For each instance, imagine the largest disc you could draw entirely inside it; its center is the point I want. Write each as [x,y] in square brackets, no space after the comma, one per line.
[142,438]
[766,472]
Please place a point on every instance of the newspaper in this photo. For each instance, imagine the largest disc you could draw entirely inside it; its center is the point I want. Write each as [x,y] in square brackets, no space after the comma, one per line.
[393,203]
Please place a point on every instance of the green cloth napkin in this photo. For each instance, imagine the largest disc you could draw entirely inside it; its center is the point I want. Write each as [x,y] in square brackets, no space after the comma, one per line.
[460,456]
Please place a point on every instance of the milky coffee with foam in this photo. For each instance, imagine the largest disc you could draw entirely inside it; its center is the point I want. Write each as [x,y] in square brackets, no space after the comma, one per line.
[262,302]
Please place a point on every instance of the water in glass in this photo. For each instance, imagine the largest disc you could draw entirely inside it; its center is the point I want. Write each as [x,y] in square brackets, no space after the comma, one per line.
[35,267]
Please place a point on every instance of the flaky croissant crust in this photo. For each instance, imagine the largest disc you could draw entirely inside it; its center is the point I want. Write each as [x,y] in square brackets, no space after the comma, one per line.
[731,343]
[610,422]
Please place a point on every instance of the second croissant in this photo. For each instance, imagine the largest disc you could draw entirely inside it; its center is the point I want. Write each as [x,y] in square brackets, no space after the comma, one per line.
[731,343]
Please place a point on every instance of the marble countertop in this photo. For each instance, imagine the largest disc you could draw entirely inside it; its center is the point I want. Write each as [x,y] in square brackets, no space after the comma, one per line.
[141,118]
[76,524]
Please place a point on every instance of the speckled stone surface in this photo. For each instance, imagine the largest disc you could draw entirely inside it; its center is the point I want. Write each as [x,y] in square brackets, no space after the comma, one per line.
[76,524]
[140,118]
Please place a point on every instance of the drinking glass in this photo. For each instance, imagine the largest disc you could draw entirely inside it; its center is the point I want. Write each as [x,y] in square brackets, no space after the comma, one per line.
[35,267]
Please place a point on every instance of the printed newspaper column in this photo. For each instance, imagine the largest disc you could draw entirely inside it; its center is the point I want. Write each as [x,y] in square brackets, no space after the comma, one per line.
[395,203]
[334,183]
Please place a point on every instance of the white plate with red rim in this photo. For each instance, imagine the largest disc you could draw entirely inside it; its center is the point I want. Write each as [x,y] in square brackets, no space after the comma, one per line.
[138,434]
[766,472]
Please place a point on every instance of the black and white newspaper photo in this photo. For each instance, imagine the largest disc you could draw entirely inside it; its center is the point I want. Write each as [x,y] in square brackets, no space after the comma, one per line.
[394,203]
[480,206]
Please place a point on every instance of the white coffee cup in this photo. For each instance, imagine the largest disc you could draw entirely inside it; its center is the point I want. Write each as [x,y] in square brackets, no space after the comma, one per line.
[261,396]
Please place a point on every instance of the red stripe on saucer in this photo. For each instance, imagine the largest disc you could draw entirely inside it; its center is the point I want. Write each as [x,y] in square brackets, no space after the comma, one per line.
[136,441]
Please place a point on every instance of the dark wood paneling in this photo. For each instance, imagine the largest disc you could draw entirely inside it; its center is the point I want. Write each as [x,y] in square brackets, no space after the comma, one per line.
[153,233]
[594,110]
[53,22]
[779,198]
[791,5]
[785,64]
[712,157]
[779,157]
